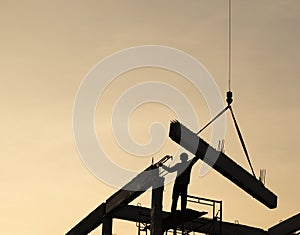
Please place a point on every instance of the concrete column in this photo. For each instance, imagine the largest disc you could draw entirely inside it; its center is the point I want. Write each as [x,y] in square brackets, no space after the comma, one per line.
[107,225]
[156,207]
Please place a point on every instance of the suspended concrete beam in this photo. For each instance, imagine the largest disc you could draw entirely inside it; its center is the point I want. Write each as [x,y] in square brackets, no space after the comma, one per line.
[223,164]
[286,227]
[200,225]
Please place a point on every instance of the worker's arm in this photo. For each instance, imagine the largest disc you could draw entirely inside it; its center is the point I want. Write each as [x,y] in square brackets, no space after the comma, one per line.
[194,160]
[168,169]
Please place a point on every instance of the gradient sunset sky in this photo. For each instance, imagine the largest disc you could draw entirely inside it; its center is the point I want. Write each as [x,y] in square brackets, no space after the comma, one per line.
[48,47]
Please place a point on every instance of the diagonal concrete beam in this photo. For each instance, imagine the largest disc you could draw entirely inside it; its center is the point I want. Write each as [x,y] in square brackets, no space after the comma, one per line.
[286,227]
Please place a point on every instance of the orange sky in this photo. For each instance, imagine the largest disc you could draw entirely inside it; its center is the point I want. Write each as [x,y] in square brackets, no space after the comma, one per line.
[47,48]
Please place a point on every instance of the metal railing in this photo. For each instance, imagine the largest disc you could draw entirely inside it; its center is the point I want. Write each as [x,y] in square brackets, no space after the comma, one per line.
[216,211]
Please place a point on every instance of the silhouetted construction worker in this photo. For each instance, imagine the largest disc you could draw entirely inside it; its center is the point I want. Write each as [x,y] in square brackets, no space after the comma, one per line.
[182,180]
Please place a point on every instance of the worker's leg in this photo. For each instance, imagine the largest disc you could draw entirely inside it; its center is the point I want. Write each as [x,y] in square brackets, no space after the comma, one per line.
[175,197]
[183,198]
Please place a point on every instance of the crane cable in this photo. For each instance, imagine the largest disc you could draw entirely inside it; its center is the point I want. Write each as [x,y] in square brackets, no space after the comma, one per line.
[241,139]
[229,45]
[229,95]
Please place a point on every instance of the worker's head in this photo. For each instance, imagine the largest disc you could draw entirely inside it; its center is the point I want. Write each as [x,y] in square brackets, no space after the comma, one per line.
[184,157]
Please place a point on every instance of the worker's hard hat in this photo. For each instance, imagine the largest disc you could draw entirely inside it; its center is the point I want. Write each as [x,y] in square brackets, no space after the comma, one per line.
[184,156]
